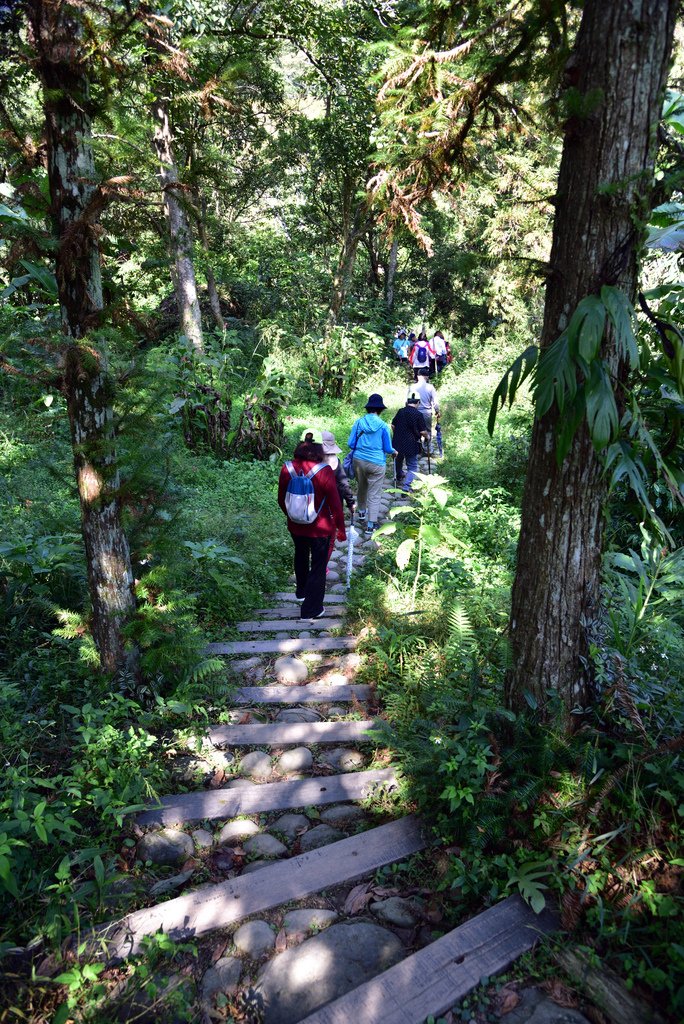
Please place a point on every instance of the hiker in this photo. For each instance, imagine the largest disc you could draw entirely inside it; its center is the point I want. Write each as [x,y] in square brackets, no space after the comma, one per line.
[408,431]
[307,494]
[421,355]
[400,347]
[440,347]
[429,403]
[370,444]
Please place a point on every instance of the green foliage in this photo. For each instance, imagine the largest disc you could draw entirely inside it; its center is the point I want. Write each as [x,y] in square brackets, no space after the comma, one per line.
[334,364]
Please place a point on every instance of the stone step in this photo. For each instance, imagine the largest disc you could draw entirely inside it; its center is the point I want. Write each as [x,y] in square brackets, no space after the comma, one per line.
[292,645]
[222,905]
[312,692]
[269,796]
[431,981]
[287,595]
[284,734]
[272,625]
[291,611]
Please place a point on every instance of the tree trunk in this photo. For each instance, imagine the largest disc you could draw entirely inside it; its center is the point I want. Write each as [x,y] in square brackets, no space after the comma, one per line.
[618,72]
[180,235]
[390,274]
[214,300]
[57,34]
[344,271]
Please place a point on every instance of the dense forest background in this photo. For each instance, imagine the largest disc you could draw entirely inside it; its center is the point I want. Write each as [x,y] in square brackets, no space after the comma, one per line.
[212,220]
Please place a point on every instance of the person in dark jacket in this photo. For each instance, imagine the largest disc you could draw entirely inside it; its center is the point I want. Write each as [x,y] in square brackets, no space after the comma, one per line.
[331,449]
[312,540]
[408,430]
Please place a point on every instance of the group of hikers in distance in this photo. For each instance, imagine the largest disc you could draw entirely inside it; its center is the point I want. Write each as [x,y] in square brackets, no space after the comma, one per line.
[315,482]
[420,352]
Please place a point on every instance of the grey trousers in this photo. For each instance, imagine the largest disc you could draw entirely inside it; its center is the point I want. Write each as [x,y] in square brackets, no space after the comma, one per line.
[370,478]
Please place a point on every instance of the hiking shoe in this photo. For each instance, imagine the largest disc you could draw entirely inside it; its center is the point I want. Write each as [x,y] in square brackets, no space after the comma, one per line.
[319,616]
[361,515]
[370,527]
[299,600]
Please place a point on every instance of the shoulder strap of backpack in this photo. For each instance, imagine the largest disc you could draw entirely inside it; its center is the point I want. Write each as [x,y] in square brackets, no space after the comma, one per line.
[291,470]
[316,469]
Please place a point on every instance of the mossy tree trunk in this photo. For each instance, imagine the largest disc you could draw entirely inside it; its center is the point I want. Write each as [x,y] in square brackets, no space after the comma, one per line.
[617,75]
[56,34]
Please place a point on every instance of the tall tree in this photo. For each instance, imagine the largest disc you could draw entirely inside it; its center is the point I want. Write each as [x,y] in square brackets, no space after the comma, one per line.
[616,80]
[62,50]
[174,200]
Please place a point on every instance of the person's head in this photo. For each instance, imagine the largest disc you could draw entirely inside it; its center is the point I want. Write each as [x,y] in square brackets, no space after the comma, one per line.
[402,335]
[422,336]
[375,404]
[413,400]
[424,372]
[330,445]
[412,336]
[438,334]
[309,451]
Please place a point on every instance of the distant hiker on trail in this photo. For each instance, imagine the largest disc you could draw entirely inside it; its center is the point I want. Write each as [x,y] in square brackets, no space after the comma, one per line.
[429,403]
[422,353]
[408,430]
[400,347]
[370,443]
[440,347]
[307,494]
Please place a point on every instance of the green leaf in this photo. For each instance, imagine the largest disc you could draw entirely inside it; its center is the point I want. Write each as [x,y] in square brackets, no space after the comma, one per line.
[514,377]
[623,318]
[430,535]
[441,495]
[45,279]
[586,327]
[404,552]
[567,425]
[602,414]
[555,377]
[385,530]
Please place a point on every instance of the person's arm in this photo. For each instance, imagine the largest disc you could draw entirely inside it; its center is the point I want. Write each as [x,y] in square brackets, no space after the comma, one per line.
[387,445]
[282,488]
[329,486]
[435,400]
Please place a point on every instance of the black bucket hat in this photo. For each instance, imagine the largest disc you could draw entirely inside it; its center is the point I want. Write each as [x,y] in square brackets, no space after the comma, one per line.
[375,404]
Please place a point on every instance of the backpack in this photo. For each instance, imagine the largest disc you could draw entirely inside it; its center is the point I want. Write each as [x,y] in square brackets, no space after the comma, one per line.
[421,354]
[299,497]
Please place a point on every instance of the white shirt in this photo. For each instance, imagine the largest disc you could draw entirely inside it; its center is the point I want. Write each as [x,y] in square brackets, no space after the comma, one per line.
[439,345]
[428,397]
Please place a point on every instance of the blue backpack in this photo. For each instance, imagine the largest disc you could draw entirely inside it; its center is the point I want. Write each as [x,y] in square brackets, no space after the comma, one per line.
[299,497]
[421,354]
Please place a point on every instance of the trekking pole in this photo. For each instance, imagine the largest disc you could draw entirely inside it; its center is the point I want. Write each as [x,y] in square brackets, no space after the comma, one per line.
[428,455]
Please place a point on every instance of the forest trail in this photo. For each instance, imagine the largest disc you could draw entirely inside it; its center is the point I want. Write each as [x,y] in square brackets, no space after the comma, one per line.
[308,931]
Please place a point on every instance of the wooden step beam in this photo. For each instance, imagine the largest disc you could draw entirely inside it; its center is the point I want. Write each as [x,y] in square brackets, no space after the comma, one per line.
[287,595]
[312,693]
[284,734]
[291,646]
[270,796]
[222,905]
[275,626]
[434,979]
[291,611]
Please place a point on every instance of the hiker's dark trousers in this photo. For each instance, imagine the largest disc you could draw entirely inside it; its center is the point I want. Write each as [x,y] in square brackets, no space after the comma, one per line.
[310,561]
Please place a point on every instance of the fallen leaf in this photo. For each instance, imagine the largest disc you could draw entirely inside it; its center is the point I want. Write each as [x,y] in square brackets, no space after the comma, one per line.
[433,913]
[560,993]
[506,1000]
[218,950]
[281,941]
[190,864]
[384,890]
[245,718]
[358,899]
[223,860]
[217,779]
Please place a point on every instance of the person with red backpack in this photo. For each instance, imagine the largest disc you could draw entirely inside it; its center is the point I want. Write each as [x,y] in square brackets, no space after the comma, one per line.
[308,495]
[422,355]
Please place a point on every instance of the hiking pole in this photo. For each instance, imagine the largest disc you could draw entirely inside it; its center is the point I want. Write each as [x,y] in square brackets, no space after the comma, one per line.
[428,455]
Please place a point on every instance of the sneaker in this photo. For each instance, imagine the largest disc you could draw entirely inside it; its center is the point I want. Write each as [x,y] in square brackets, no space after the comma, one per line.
[319,616]
[370,527]
[361,515]
[299,600]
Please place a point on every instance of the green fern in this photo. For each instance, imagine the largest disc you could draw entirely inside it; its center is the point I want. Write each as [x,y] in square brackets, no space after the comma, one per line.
[461,643]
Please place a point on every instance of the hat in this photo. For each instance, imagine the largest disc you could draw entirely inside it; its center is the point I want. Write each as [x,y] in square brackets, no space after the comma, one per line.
[315,435]
[413,399]
[330,445]
[375,402]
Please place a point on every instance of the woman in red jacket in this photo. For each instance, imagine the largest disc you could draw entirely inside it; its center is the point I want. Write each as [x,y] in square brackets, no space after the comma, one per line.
[312,540]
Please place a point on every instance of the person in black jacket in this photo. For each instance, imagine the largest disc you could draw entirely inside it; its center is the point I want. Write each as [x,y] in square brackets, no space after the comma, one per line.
[408,429]
[331,450]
